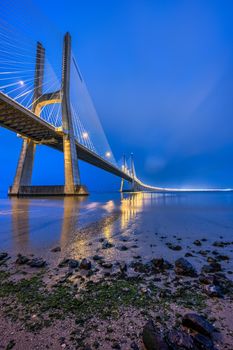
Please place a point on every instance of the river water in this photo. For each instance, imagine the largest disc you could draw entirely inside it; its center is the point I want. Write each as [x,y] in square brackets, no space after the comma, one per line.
[143,223]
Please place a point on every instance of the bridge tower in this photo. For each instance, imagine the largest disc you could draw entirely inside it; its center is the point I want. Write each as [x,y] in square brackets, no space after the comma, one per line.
[134,184]
[23,177]
[24,169]
[72,176]
[124,168]
[132,168]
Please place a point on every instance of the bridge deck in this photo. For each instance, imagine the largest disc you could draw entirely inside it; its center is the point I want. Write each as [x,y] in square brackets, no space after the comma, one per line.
[19,119]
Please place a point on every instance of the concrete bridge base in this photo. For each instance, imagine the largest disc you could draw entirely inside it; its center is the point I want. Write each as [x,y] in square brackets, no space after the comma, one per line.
[33,191]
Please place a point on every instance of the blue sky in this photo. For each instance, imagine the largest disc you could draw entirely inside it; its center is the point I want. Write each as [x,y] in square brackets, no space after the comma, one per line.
[161,77]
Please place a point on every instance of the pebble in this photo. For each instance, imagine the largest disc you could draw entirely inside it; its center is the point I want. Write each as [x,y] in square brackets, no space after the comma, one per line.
[85,264]
[3,255]
[174,246]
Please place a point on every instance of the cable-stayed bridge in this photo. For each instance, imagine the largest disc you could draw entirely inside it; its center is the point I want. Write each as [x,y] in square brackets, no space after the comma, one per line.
[50,105]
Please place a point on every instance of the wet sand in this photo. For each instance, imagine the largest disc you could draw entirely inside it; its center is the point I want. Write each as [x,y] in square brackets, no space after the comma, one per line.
[131,230]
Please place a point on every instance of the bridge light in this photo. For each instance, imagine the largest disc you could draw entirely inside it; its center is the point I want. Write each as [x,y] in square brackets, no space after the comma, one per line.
[108,154]
[85,135]
[21,82]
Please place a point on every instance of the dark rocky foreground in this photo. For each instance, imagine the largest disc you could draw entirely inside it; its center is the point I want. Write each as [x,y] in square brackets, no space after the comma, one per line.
[95,303]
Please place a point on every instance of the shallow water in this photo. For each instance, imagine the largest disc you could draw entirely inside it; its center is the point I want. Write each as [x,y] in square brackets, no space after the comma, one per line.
[142,222]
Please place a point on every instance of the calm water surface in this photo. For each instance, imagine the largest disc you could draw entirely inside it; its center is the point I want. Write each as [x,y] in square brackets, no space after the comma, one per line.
[142,222]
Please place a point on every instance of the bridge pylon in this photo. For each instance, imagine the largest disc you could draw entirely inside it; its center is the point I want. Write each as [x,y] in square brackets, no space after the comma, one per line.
[72,175]
[133,185]
[23,177]
[124,168]
[24,169]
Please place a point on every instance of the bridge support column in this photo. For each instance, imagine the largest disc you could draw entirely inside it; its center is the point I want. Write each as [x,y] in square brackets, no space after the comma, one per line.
[72,176]
[24,169]
[124,169]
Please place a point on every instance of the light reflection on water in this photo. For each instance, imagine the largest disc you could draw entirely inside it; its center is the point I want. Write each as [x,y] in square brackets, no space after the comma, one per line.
[77,223]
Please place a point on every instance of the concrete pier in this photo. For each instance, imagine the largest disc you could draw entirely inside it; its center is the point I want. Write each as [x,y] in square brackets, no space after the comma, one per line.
[25,165]
[44,191]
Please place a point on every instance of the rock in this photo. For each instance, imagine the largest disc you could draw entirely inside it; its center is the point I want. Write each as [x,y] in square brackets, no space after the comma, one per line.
[123,248]
[97,257]
[173,246]
[64,262]
[184,268]
[223,258]
[107,245]
[210,259]
[37,262]
[213,291]
[178,339]
[96,344]
[203,252]
[73,264]
[198,323]
[64,278]
[116,345]
[85,264]
[197,242]
[21,259]
[10,345]
[221,244]
[123,267]
[134,346]
[212,267]
[152,339]
[203,342]
[56,249]
[206,269]
[165,293]
[215,252]
[160,265]
[187,255]
[106,265]
[208,279]
[224,283]
[140,267]
[3,255]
